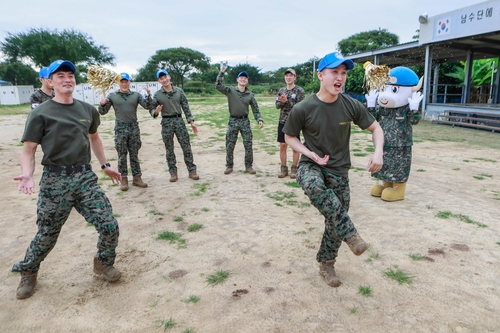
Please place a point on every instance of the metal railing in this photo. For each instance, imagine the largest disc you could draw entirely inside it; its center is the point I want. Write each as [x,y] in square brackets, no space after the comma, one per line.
[454,93]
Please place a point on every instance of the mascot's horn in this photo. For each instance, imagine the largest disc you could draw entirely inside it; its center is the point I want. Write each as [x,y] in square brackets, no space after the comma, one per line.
[418,86]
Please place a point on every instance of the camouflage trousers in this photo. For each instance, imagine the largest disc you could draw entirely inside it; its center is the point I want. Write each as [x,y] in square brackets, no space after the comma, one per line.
[169,127]
[330,194]
[59,193]
[397,165]
[233,127]
[128,141]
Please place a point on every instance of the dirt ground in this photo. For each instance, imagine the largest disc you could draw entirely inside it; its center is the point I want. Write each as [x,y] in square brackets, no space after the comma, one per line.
[267,244]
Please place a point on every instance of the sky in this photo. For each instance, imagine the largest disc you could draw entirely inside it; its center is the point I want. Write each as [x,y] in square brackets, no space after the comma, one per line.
[268,34]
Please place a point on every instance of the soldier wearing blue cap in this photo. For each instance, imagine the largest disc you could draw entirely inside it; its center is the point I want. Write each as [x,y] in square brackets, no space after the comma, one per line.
[127,132]
[239,98]
[325,120]
[170,101]
[66,128]
[45,92]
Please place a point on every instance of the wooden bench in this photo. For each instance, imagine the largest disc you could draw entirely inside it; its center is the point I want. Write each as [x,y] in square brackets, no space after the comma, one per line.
[484,121]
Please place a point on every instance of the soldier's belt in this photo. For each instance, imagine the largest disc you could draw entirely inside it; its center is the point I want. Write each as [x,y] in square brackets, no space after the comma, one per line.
[67,169]
[173,116]
[238,117]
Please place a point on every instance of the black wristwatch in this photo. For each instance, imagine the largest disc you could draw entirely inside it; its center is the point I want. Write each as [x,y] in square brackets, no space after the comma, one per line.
[105,165]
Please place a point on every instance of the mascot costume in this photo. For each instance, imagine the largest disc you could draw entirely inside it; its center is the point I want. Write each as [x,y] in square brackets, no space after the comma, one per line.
[397,110]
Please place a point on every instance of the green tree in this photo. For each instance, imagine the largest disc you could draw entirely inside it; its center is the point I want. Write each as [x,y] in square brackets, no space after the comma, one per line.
[208,76]
[180,63]
[19,74]
[40,47]
[480,74]
[367,41]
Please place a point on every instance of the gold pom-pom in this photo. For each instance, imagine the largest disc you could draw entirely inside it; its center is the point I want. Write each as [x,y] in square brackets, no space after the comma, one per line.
[101,79]
[376,76]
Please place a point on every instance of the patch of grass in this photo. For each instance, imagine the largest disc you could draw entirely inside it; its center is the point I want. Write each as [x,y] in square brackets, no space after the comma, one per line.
[172,237]
[444,215]
[429,206]
[360,154]
[192,299]
[484,159]
[194,227]
[420,170]
[354,309]
[300,233]
[461,217]
[204,209]
[12,110]
[292,184]
[117,215]
[218,278]
[89,224]
[372,256]
[280,195]
[416,256]
[188,330]
[156,212]
[166,324]
[456,169]
[178,219]
[201,188]
[398,275]
[365,291]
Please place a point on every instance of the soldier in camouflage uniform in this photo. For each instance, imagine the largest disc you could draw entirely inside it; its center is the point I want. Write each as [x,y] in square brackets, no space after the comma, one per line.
[287,97]
[66,129]
[239,98]
[45,92]
[325,121]
[170,101]
[127,133]
[397,111]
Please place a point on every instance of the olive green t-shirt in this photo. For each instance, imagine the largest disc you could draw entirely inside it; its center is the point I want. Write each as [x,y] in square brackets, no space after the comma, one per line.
[63,131]
[327,128]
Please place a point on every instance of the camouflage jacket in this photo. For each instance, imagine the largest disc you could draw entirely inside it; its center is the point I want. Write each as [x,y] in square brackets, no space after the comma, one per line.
[38,97]
[125,105]
[238,101]
[397,124]
[294,96]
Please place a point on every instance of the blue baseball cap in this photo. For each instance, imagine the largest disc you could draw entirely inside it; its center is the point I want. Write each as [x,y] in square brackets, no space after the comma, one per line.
[333,60]
[161,72]
[402,76]
[44,73]
[58,63]
[124,76]
[243,74]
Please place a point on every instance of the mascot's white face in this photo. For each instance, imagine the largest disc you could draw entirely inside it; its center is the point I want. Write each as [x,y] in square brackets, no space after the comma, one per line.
[394,96]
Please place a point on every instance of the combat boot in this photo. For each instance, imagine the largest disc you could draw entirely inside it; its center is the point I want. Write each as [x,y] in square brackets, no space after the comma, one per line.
[138,181]
[251,171]
[124,184]
[228,171]
[284,172]
[394,193]
[173,177]
[293,172]
[109,272]
[193,175]
[327,271]
[27,284]
[357,244]
[377,189]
